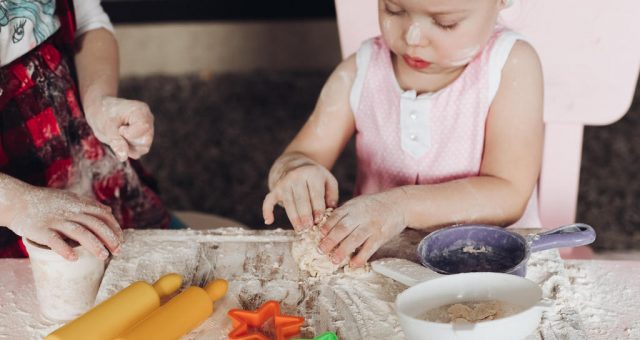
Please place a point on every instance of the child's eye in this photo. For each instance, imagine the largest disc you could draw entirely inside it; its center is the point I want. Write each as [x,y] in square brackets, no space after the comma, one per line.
[446,27]
[393,11]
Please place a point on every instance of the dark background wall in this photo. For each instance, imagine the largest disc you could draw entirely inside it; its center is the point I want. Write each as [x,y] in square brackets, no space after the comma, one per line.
[139,11]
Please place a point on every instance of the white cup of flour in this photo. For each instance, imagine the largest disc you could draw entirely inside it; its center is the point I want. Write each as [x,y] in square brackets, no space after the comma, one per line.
[65,289]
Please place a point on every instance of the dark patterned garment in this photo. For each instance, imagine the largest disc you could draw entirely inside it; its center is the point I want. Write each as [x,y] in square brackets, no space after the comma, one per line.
[45,141]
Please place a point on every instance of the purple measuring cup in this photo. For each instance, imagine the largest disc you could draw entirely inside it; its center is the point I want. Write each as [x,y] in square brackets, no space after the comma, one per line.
[485,248]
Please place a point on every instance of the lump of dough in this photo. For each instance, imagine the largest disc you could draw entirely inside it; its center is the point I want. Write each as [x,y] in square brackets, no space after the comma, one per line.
[306,254]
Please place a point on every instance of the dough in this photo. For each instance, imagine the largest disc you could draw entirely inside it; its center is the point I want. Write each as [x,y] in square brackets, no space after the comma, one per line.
[467,312]
[305,251]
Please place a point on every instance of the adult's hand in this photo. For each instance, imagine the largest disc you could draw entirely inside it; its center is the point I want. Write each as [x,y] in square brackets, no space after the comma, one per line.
[125,125]
[48,216]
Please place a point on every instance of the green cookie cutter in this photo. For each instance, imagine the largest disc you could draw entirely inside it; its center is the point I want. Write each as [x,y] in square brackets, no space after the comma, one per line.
[324,336]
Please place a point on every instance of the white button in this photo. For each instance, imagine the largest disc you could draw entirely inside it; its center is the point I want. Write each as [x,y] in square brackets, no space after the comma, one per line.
[413,137]
[413,115]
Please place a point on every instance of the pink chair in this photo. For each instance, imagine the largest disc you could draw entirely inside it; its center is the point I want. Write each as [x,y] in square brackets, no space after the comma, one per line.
[590,56]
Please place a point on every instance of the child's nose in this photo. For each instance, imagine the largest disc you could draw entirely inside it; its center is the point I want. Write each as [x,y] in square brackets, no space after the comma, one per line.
[414,35]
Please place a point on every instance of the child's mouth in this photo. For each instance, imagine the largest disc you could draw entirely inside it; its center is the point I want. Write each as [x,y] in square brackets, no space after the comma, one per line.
[415,63]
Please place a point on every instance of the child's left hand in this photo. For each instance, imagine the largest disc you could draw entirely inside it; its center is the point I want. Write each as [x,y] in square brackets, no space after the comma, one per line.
[365,222]
[125,125]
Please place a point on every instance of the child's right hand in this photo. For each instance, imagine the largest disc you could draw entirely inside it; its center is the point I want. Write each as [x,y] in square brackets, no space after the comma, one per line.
[46,215]
[304,188]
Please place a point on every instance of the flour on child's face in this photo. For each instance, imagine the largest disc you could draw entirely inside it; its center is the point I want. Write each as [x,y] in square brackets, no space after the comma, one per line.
[447,34]
[414,34]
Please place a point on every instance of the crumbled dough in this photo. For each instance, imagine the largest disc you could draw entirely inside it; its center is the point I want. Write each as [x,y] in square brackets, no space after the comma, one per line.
[305,251]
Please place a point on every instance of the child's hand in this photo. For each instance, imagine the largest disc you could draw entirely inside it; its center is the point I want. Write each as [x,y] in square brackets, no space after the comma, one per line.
[125,125]
[305,190]
[46,215]
[365,222]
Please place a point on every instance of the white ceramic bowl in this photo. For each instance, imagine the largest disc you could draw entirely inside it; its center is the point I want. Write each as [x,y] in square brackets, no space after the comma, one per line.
[468,287]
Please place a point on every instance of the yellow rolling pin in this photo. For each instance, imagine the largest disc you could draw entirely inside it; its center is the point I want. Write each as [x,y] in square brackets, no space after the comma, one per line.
[179,315]
[120,312]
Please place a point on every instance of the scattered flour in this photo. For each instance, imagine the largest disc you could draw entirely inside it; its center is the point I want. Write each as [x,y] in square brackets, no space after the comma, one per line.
[611,315]
[20,316]
[562,320]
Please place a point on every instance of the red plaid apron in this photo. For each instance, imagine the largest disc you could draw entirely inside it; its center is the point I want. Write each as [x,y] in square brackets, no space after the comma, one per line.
[46,141]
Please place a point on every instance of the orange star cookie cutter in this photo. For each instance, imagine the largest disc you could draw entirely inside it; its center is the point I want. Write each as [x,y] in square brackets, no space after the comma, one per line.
[285,326]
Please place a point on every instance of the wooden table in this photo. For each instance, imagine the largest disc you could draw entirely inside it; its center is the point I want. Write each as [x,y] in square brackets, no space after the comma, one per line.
[593,299]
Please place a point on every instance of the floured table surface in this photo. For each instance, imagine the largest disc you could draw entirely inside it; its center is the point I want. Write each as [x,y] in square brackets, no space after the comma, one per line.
[259,267]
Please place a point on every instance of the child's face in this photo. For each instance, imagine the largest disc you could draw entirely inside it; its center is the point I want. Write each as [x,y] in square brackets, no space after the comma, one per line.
[433,36]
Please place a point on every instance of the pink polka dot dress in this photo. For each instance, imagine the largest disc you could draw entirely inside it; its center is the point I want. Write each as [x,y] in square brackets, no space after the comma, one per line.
[403,138]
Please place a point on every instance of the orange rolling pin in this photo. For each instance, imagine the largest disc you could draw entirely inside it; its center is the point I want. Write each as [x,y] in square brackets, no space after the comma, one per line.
[179,315]
[120,312]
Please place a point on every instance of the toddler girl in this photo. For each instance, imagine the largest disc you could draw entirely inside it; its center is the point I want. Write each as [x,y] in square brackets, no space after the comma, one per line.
[446,107]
